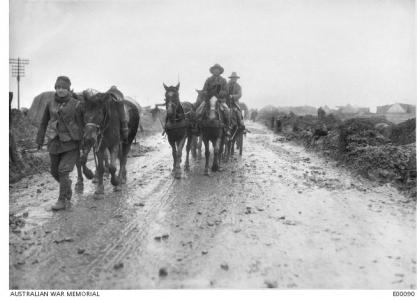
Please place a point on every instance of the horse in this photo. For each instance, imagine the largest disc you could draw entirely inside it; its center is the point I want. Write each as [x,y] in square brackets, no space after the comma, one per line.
[212,128]
[197,141]
[179,126]
[236,132]
[102,129]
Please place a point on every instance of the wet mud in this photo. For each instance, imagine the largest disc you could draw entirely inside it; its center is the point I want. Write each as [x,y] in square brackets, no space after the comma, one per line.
[277,217]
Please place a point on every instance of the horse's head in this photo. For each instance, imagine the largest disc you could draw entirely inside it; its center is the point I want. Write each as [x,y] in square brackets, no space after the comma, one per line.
[171,100]
[94,118]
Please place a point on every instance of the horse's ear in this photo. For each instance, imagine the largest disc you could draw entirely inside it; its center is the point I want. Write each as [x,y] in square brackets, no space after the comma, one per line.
[165,87]
[178,86]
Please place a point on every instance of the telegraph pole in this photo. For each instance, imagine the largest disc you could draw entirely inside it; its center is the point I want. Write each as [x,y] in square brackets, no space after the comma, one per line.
[18,71]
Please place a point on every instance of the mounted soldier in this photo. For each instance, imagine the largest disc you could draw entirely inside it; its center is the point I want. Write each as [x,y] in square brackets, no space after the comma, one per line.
[62,123]
[216,86]
[234,94]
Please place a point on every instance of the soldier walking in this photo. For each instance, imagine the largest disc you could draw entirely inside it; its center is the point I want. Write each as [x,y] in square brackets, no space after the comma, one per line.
[62,123]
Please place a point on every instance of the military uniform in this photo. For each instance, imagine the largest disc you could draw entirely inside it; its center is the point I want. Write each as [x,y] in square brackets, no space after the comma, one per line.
[234,91]
[62,123]
[216,86]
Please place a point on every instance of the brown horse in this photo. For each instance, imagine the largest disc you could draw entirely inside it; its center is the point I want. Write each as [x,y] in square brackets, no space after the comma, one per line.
[236,134]
[212,128]
[197,140]
[179,126]
[102,129]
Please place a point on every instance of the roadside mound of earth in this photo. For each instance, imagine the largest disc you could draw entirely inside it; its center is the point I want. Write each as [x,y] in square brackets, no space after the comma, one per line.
[404,133]
[23,130]
[29,164]
[372,147]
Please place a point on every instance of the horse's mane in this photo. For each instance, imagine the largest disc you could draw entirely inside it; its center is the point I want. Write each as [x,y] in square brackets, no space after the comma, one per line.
[93,98]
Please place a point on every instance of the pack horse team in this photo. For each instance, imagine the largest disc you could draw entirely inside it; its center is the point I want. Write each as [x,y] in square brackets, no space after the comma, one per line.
[106,124]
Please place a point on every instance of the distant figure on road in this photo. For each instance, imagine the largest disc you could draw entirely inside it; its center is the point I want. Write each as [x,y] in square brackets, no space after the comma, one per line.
[321,114]
[253,115]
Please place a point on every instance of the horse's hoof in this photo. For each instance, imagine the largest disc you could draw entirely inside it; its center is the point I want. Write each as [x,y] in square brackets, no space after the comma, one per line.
[79,187]
[114,181]
[88,173]
[94,180]
[187,168]
[98,196]
[117,188]
[206,173]
[178,174]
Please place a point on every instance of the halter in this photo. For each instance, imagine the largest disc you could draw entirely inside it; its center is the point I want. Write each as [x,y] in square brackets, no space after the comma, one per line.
[100,130]
[175,104]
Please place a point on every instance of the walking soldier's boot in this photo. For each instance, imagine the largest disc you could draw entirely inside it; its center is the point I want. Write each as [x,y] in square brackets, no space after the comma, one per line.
[65,192]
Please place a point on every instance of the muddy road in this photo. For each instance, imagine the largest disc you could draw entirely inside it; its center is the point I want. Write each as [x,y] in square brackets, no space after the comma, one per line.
[278,217]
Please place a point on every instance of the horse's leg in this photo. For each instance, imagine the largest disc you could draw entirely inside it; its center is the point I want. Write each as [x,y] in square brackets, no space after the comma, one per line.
[98,194]
[193,145]
[199,145]
[216,159]
[206,146]
[79,186]
[114,151]
[106,163]
[190,140]
[174,154]
[180,146]
[225,148]
[125,148]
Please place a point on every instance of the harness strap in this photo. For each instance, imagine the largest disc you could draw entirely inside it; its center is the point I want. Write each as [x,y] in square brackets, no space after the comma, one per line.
[93,124]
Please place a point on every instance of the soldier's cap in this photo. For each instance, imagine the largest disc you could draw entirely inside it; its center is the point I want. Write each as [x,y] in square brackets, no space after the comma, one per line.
[64,82]
[234,75]
[217,66]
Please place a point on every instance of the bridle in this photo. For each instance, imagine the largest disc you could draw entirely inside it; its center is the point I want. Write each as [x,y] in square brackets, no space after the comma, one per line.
[100,128]
[175,104]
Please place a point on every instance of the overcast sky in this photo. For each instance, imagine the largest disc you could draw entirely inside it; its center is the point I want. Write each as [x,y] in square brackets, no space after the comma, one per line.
[311,52]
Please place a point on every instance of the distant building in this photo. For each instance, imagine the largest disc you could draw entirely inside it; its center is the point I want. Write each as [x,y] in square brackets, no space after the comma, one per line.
[396,108]
[397,112]
[349,109]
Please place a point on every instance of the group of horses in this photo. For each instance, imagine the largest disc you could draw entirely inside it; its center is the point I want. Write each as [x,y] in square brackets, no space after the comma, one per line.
[182,126]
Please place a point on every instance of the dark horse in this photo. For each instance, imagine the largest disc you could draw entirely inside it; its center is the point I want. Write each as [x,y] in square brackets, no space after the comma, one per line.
[102,130]
[179,126]
[212,128]
[237,134]
[197,138]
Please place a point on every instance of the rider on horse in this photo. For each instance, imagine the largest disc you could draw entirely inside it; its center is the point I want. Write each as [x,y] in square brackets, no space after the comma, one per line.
[216,86]
[234,94]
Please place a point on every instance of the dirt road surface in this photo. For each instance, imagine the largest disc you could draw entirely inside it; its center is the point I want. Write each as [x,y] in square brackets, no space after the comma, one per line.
[278,217]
